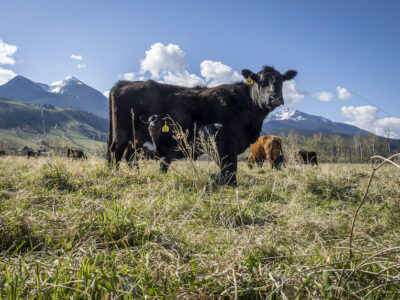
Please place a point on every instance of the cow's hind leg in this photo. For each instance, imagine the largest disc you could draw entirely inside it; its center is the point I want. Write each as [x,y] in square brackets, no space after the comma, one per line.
[118,147]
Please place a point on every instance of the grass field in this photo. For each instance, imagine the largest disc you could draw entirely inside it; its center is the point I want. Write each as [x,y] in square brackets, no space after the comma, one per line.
[73,229]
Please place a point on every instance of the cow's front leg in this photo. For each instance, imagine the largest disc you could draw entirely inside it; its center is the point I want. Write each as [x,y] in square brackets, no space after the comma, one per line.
[164,163]
[229,168]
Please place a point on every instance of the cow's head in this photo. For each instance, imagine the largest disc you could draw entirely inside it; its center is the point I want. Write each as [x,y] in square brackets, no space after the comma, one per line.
[249,162]
[155,125]
[266,89]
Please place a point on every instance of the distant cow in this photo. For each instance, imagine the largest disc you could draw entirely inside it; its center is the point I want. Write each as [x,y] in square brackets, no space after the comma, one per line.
[31,153]
[266,147]
[240,108]
[308,157]
[2,152]
[76,153]
[160,130]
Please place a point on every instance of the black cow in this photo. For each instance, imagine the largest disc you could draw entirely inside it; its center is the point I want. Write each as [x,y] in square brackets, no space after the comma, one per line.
[240,108]
[2,152]
[31,153]
[193,145]
[308,157]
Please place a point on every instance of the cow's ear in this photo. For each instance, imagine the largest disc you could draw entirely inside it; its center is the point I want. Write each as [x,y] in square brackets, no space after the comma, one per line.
[247,73]
[289,75]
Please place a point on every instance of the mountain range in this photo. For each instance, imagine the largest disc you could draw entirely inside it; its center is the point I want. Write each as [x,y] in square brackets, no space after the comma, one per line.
[286,120]
[70,93]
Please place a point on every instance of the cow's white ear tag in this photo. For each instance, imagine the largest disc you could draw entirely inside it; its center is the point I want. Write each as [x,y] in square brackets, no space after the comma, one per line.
[249,81]
[165,128]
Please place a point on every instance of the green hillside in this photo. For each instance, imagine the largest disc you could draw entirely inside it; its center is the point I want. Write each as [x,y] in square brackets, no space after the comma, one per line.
[23,124]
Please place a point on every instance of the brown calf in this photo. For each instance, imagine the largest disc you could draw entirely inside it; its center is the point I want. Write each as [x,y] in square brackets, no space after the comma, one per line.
[266,147]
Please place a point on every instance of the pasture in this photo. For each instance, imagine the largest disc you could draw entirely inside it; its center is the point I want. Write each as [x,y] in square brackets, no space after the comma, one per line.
[76,229]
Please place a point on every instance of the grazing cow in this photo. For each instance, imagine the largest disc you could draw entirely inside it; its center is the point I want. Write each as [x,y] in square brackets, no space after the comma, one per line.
[31,153]
[308,157]
[2,152]
[266,147]
[76,153]
[160,130]
[240,108]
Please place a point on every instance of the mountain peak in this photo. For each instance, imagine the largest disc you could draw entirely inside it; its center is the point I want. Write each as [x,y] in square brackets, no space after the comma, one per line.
[294,115]
[70,92]
[60,87]
[19,84]
[72,79]
[19,78]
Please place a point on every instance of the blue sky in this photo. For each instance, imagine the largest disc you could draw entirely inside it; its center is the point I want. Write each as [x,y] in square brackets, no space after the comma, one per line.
[354,45]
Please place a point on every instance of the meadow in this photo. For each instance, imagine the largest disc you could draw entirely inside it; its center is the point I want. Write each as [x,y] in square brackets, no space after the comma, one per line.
[77,229]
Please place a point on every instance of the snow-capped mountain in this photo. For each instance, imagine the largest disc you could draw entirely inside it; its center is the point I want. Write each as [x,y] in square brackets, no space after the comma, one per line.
[294,115]
[286,120]
[71,93]
[63,87]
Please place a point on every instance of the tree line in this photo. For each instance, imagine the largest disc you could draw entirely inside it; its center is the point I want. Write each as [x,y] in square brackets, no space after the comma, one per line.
[338,149]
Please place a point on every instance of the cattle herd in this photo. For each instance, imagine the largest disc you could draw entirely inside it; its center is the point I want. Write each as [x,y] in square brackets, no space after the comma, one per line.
[173,118]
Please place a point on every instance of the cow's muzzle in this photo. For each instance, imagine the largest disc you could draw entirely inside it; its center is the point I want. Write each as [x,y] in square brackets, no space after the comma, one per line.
[275,101]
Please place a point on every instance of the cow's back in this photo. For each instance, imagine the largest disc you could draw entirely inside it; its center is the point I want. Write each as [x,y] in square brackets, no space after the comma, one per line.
[257,150]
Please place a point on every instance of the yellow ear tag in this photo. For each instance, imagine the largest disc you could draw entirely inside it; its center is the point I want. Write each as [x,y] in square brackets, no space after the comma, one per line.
[165,128]
[249,81]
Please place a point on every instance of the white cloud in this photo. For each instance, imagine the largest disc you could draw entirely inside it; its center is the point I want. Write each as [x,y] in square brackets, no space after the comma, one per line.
[216,73]
[163,59]
[291,94]
[81,66]
[362,116]
[366,117]
[131,76]
[166,64]
[76,57]
[6,53]
[57,83]
[6,75]
[183,79]
[343,93]
[324,96]
[385,124]
[106,93]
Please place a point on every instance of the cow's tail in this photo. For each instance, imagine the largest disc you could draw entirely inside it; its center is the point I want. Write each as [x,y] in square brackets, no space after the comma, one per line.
[110,126]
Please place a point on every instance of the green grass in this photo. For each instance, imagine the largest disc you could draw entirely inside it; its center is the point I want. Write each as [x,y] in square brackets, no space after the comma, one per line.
[78,229]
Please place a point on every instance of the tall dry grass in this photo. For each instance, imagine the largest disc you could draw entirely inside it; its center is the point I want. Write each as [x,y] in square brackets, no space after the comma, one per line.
[78,229]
